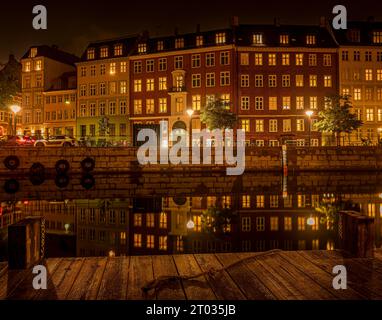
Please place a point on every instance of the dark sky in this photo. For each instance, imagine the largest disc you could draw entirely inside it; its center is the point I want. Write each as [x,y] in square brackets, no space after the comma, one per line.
[72,24]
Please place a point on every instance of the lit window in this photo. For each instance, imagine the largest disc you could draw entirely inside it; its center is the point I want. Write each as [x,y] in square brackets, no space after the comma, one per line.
[137,106]
[311,39]
[299,80]
[160,45]
[313,102]
[313,80]
[137,85]
[149,84]
[112,68]
[150,220]
[162,105]
[272,103]
[162,242]
[369,74]
[300,125]
[299,59]
[258,59]
[196,102]
[150,241]
[245,125]
[163,220]
[301,223]
[257,38]
[104,52]
[246,201]
[199,41]
[285,59]
[284,39]
[38,65]
[118,50]
[260,201]
[162,83]
[287,125]
[272,59]
[369,114]
[90,53]
[142,47]
[150,108]
[377,37]
[259,125]
[286,103]
[357,94]
[220,38]
[288,223]
[274,221]
[137,240]
[179,43]
[244,59]
[244,105]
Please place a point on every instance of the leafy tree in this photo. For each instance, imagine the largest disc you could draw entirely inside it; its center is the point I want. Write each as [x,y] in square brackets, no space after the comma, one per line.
[217,115]
[10,76]
[338,117]
[217,219]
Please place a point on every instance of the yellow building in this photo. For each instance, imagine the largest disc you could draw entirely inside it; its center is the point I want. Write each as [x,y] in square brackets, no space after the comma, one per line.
[41,65]
[360,72]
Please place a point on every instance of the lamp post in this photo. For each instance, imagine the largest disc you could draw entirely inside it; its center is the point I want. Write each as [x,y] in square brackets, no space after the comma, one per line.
[15,109]
[309,113]
[190,112]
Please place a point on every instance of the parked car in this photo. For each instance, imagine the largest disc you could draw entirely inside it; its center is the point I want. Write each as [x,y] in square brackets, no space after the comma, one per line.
[11,141]
[56,141]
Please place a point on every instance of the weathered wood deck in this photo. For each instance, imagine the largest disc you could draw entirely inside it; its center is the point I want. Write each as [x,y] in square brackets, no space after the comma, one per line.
[283,275]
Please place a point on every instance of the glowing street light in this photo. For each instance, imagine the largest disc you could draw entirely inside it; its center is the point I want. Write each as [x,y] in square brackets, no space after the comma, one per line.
[309,113]
[190,224]
[311,221]
[15,109]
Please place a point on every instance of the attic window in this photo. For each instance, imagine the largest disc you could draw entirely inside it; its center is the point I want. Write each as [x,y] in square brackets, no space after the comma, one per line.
[377,36]
[199,41]
[33,52]
[142,48]
[179,43]
[104,52]
[354,35]
[311,39]
[220,38]
[160,45]
[284,39]
[257,38]
[90,53]
[118,50]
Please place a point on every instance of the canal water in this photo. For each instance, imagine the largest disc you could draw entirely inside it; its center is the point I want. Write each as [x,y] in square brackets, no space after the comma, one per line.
[265,211]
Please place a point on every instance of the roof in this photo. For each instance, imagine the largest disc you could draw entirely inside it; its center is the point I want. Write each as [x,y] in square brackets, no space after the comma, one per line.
[358,33]
[66,81]
[53,53]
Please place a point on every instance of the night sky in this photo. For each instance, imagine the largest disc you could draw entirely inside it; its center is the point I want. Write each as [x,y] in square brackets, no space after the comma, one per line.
[72,24]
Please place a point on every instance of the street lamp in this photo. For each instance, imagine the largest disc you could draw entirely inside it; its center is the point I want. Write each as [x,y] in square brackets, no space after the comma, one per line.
[309,113]
[190,112]
[15,109]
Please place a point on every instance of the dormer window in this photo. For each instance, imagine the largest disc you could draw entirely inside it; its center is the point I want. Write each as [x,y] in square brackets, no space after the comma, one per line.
[27,66]
[199,41]
[355,35]
[160,46]
[104,52]
[91,53]
[284,39]
[33,52]
[142,48]
[179,43]
[377,36]
[311,39]
[118,49]
[220,38]
[257,39]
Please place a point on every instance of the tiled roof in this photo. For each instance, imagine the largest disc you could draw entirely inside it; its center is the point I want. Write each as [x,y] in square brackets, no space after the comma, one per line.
[54,53]
[358,33]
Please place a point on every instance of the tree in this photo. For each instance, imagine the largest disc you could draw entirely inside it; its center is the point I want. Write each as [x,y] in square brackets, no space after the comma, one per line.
[217,115]
[338,117]
[9,82]
[217,220]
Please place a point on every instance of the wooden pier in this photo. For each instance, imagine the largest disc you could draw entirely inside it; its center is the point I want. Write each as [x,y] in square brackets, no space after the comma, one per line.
[285,275]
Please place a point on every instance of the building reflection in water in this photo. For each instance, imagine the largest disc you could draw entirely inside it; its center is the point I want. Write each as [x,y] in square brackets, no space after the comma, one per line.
[146,226]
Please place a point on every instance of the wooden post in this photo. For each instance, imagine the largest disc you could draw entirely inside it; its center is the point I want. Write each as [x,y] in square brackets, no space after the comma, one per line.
[25,243]
[356,234]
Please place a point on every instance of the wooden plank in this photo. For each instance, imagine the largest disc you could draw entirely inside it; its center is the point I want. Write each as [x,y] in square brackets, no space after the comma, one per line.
[89,279]
[140,273]
[197,288]
[249,283]
[10,280]
[114,281]
[360,278]
[222,285]
[318,275]
[25,290]
[165,266]
[271,280]
[3,268]
[378,254]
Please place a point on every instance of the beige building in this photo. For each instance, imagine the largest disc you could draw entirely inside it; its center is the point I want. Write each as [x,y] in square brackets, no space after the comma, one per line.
[41,65]
[360,72]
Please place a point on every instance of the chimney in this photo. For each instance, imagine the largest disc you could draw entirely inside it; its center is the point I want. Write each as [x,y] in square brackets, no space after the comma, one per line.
[322,22]
[276,22]
[235,21]
[198,28]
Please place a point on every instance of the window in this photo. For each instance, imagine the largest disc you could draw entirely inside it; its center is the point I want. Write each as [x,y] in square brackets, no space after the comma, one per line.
[162,242]
[102,69]
[260,223]
[122,87]
[210,59]
[288,223]
[285,80]
[273,125]
[274,221]
[284,39]
[112,87]
[368,56]
[137,85]
[272,59]
[220,38]
[196,80]
[149,106]
[369,114]
[162,83]
[310,39]
[285,59]
[377,36]
[300,125]
[149,84]
[142,48]
[225,78]
[199,41]
[369,74]
[328,81]
[102,89]
[82,90]
[82,111]
[112,108]
[104,52]
[313,102]
[272,103]
[150,65]
[179,43]
[210,79]
[327,60]
[379,74]
[122,107]
[246,224]
[162,104]
[299,59]
[160,45]
[162,64]
[224,58]
[150,221]
[257,38]
[356,56]
[118,50]
[259,125]
[301,223]
[272,81]
[287,125]
[357,94]
[90,53]
[244,105]
[245,125]
[137,240]
[258,59]
[178,62]
[244,80]
[150,241]
[163,220]
[27,66]
[258,80]
[313,80]
[312,60]
[299,102]
[137,106]
[196,102]
[299,80]
[244,59]
[137,66]
[92,90]
[92,109]
[259,103]
[286,103]
[345,55]
[246,201]
[38,65]
[195,61]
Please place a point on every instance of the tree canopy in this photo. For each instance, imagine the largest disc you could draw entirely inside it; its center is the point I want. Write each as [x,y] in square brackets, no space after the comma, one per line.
[338,118]
[9,82]
[217,115]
